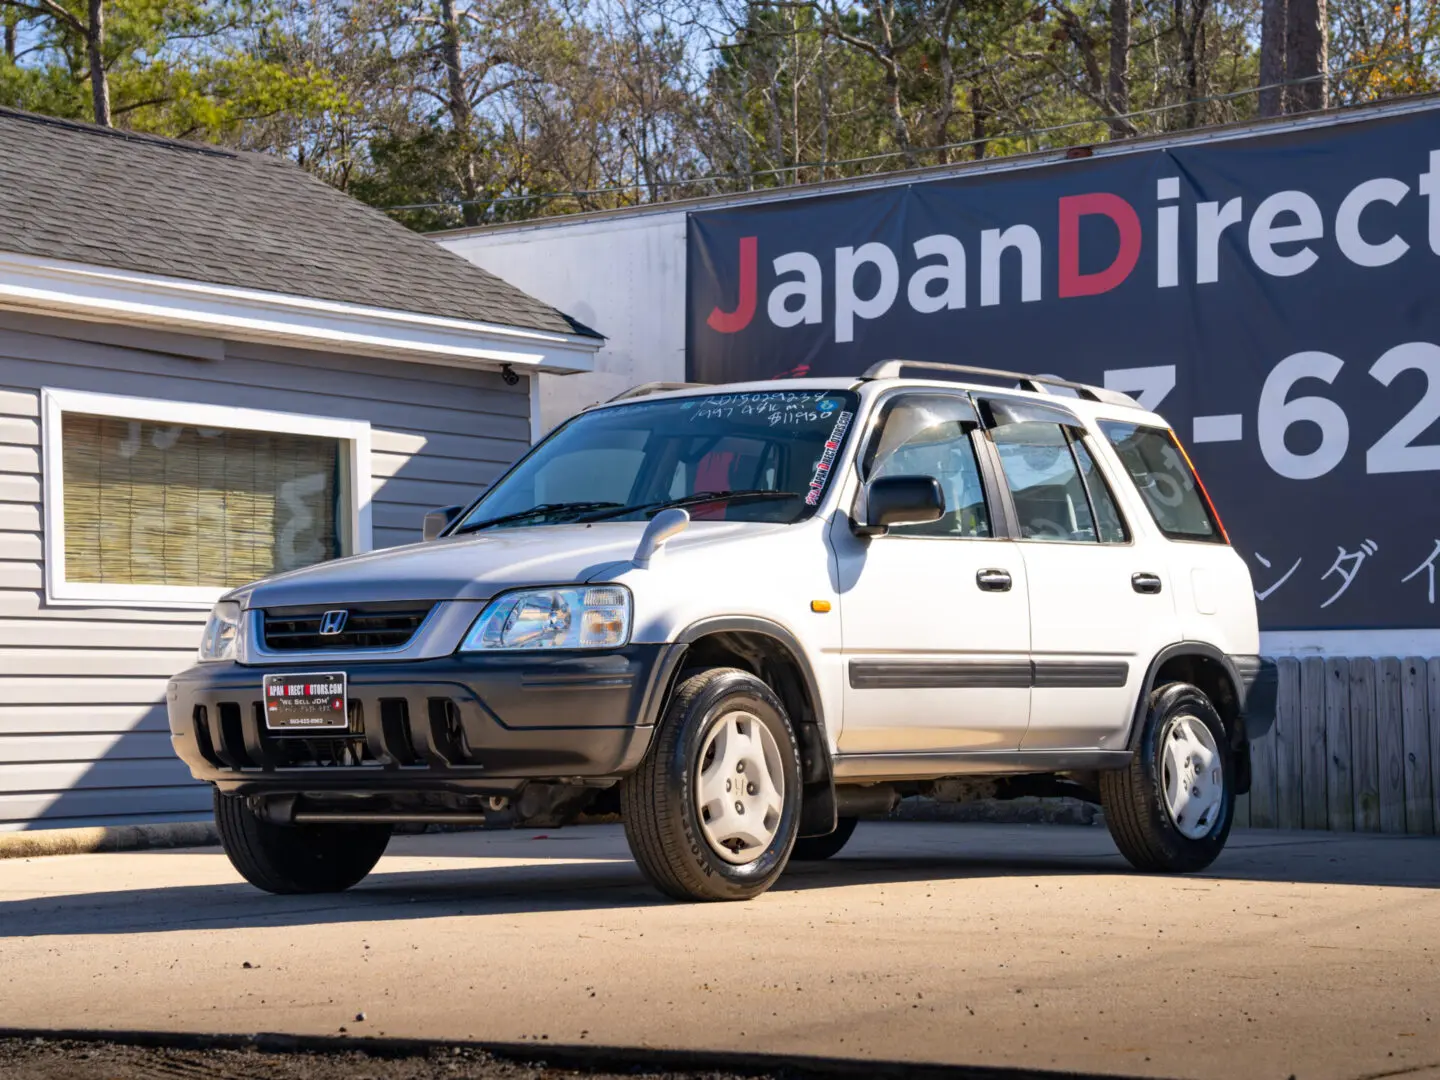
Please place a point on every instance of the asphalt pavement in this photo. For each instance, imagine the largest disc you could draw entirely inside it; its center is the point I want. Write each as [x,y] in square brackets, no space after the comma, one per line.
[1310,955]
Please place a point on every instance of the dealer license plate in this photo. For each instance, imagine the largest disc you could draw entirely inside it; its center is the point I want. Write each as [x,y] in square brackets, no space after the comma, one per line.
[310,701]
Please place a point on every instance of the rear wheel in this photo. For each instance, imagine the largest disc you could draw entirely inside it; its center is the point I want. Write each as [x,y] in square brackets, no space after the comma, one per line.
[818,848]
[1172,808]
[711,812]
[296,858]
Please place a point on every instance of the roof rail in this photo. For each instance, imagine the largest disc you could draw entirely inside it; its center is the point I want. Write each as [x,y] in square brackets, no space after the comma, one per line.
[653,388]
[890,369]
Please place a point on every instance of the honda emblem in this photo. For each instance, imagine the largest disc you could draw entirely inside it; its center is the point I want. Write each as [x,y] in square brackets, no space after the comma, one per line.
[332,622]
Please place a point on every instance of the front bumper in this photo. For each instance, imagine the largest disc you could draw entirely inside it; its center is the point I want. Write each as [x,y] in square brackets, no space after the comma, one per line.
[470,725]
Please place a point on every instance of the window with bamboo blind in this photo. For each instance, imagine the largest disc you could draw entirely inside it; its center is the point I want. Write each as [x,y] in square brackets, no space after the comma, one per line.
[154,503]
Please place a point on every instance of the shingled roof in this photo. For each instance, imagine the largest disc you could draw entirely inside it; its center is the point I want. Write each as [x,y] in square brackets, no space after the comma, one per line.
[95,195]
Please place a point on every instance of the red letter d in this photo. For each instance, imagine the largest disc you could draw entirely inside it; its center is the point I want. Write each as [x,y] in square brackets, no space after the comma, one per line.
[1072,209]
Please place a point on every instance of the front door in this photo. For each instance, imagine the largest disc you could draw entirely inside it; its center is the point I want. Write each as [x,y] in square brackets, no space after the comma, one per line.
[934,617]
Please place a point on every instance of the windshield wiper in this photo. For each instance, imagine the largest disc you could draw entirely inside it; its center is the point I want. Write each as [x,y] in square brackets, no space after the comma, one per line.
[697,499]
[536,511]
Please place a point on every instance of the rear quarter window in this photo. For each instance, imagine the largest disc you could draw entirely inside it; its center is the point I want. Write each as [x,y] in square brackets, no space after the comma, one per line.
[1165,480]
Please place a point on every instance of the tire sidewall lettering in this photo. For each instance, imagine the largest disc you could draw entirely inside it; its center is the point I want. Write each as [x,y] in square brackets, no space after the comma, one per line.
[1167,702]
[724,695]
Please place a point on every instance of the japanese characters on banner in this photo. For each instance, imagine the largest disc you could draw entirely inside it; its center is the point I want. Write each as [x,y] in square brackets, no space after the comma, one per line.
[1277,298]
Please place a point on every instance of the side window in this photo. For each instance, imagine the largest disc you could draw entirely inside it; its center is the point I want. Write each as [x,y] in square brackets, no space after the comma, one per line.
[1045,482]
[1102,500]
[929,435]
[1165,480]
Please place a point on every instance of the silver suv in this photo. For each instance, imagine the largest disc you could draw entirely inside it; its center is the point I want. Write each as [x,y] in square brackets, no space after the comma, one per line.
[745,616]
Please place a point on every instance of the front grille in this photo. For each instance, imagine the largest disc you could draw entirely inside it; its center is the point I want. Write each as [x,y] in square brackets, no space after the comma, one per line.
[388,732]
[367,626]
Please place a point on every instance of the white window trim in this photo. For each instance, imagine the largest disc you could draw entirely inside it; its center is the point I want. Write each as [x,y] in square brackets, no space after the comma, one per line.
[55,403]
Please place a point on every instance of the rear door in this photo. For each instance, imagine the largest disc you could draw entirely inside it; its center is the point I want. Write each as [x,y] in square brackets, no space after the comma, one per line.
[1101,604]
[1213,590]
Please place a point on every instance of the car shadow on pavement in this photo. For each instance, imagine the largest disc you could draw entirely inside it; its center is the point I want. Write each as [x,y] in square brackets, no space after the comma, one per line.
[552,880]
[383,897]
[904,851]
[1259,855]
[433,893]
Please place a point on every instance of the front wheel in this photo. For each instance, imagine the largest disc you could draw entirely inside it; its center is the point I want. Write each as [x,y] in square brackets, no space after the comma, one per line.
[289,859]
[1171,809]
[712,811]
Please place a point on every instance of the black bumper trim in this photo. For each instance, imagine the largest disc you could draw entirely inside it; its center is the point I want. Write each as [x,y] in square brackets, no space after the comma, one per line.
[473,724]
[1259,684]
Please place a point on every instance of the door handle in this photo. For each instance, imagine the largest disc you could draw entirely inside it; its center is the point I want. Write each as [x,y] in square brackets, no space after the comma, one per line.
[993,580]
[1144,582]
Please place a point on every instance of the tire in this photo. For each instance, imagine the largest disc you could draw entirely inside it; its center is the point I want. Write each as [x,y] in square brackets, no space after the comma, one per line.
[289,859]
[1140,800]
[819,848]
[677,844]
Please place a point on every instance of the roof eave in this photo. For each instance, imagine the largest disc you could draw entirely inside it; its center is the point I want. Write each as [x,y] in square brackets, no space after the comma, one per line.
[76,290]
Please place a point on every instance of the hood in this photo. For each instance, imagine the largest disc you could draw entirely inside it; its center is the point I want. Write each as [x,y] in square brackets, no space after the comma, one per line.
[480,565]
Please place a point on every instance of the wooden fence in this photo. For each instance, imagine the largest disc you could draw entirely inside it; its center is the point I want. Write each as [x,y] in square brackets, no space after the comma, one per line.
[1355,748]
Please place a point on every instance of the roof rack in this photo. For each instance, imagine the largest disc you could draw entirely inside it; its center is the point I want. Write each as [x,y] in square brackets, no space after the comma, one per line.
[890,369]
[653,388]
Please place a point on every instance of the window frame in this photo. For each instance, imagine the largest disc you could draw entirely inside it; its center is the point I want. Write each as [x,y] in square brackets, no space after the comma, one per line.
[1082,436]
[991,486]
[355,526]
[1074,430]
[1212,515]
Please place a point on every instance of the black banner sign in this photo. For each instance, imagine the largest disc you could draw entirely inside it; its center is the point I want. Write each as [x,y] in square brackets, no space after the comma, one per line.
[1276,298]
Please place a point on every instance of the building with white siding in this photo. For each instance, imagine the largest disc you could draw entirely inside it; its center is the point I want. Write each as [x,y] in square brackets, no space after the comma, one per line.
[212,367]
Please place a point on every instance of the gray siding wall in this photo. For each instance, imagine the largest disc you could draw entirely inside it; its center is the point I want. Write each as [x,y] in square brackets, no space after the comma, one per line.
[83,735]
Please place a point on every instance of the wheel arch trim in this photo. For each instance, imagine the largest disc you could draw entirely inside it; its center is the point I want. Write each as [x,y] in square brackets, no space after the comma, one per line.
[819,813]
[752,624]
[1175,651]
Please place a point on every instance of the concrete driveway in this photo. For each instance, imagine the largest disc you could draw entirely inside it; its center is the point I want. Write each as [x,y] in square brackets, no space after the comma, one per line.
[1301,954]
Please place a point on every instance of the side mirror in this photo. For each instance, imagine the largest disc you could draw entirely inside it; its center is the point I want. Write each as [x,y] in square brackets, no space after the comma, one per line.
[898,500]
[436,520]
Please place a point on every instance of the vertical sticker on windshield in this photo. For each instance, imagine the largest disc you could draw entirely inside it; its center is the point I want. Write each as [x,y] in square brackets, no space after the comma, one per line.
[827,459]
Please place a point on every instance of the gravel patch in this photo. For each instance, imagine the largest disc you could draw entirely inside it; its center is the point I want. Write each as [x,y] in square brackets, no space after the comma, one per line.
[63,1059]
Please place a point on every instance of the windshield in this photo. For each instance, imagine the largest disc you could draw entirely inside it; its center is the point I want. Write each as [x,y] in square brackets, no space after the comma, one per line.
[764,456]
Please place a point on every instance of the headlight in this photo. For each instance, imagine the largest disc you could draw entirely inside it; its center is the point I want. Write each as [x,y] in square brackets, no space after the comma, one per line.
[568,618]
[221,632]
